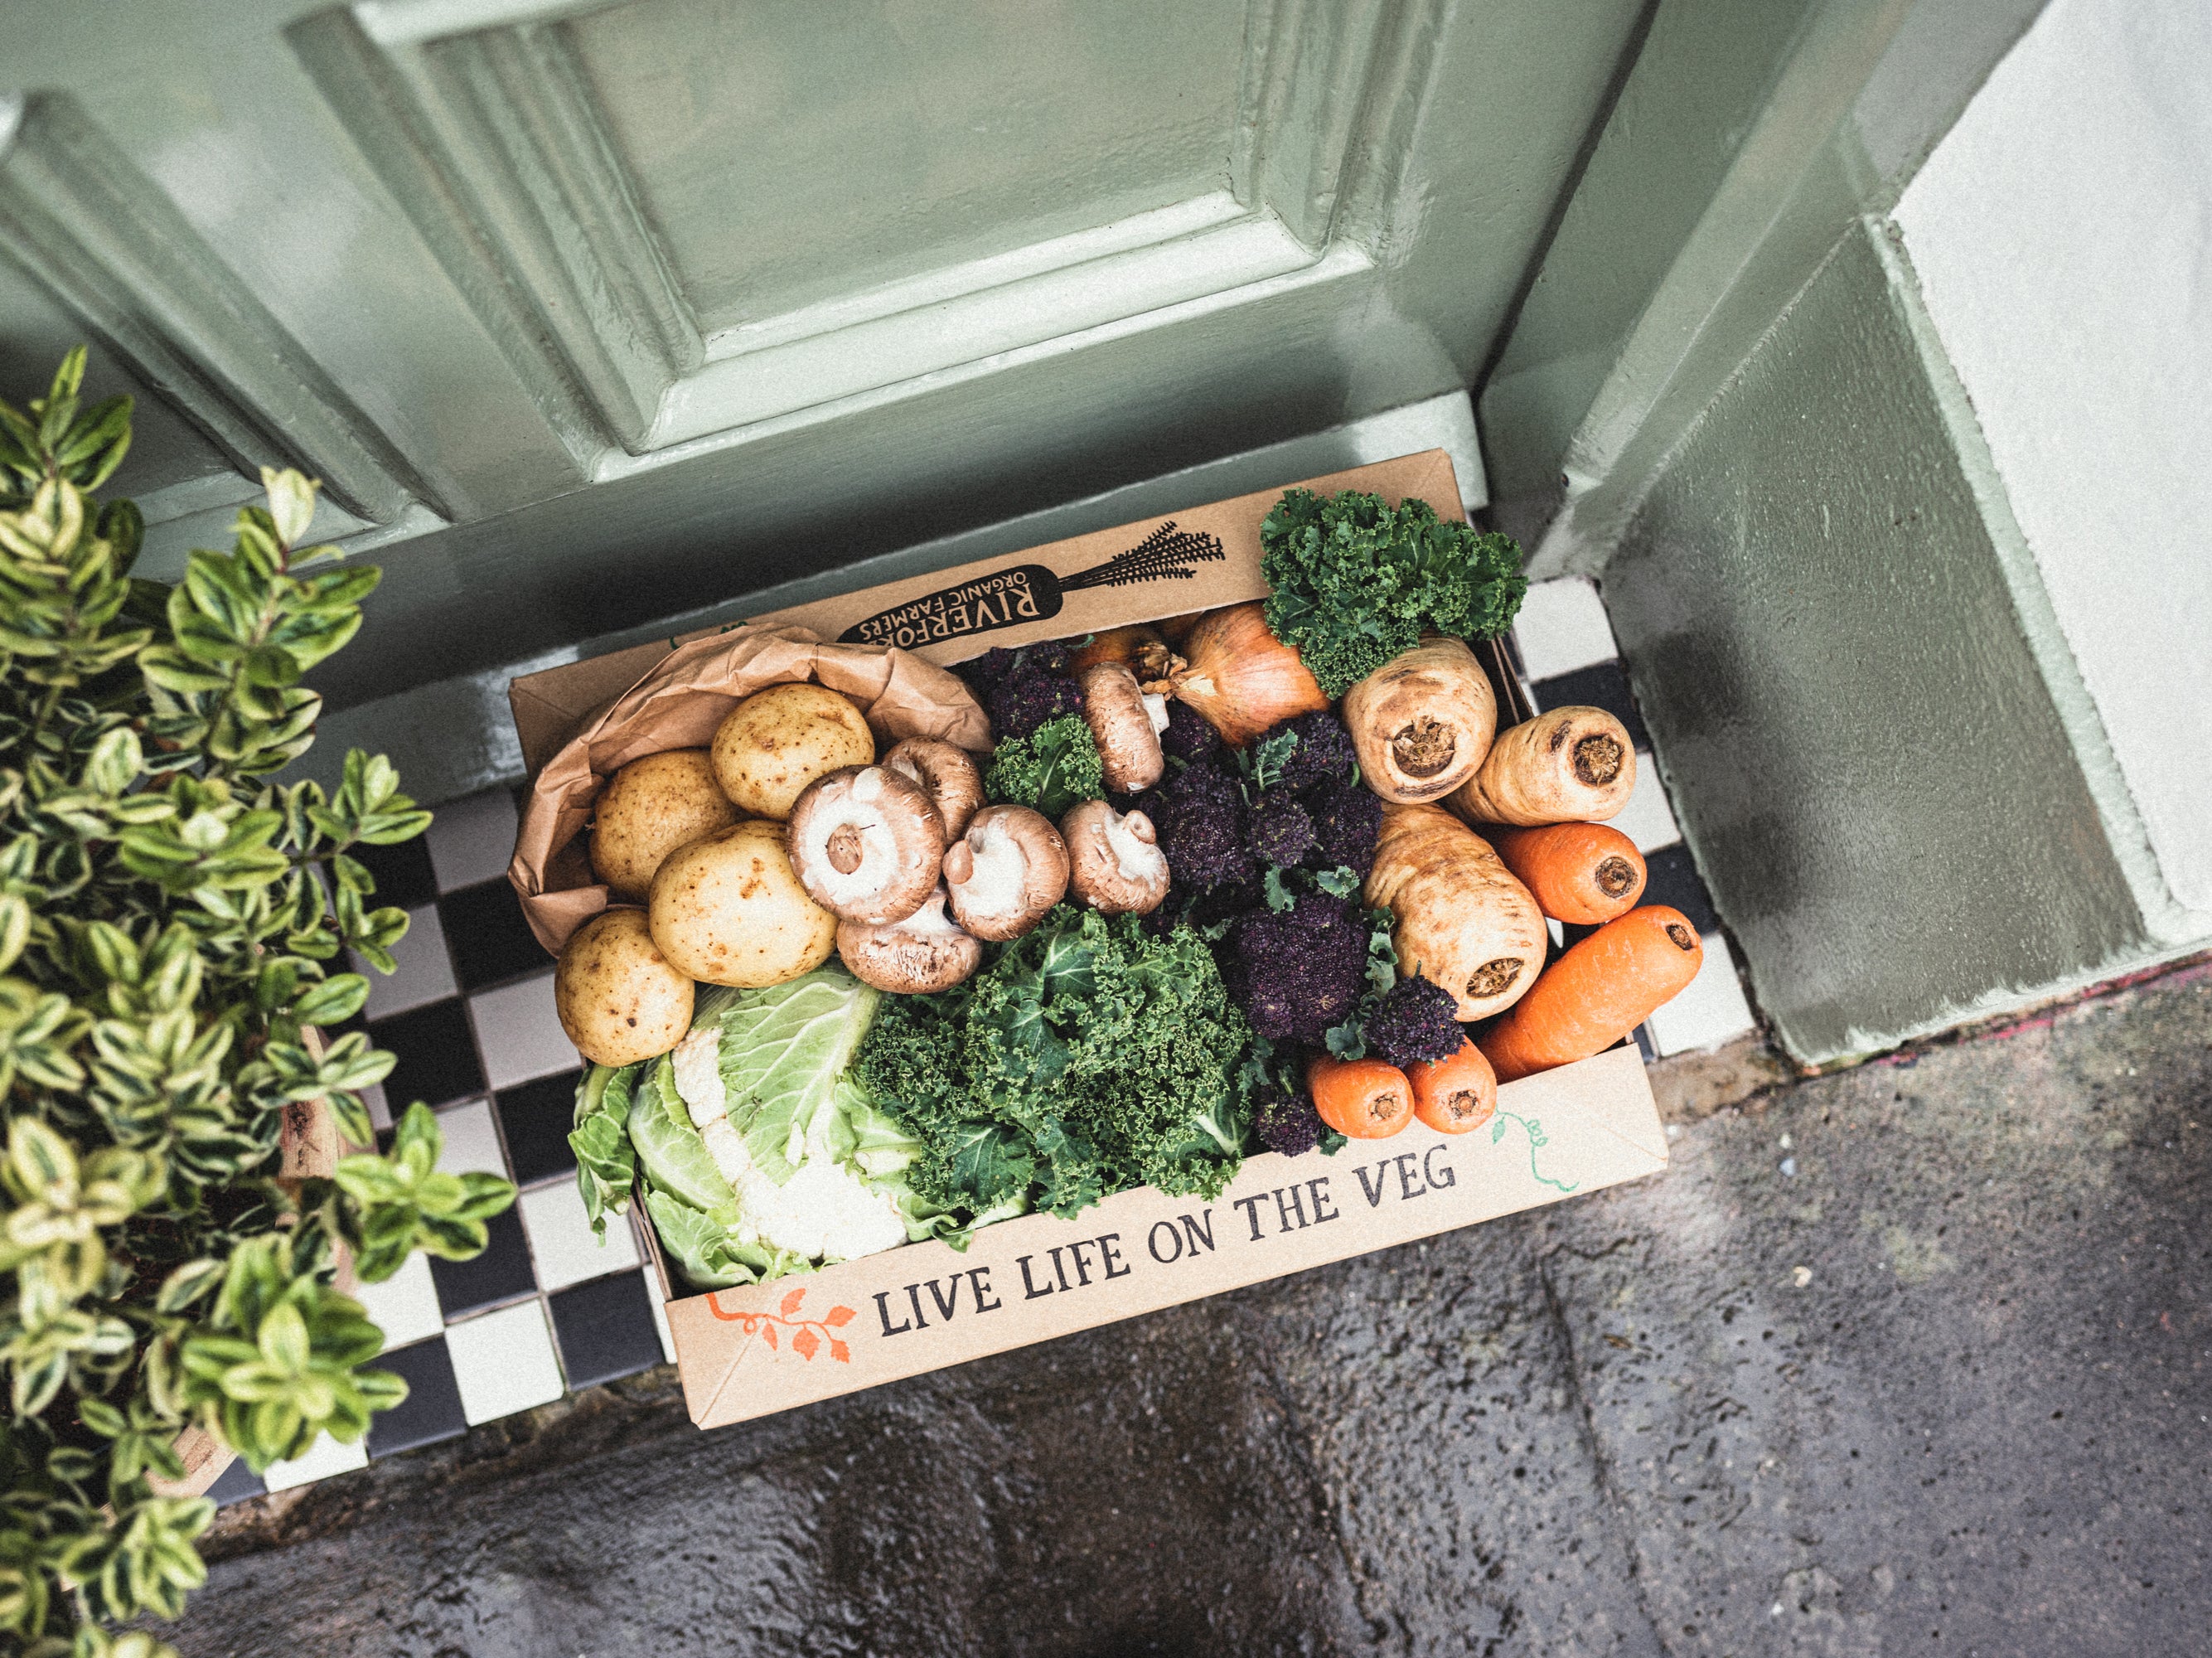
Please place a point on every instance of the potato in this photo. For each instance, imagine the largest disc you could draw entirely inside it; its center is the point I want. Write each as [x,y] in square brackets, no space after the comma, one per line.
[649,808]
[618,998]
[727,910]
[776,741]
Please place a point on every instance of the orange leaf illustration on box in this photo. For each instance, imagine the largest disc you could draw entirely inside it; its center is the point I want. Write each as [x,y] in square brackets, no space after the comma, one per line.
[808,1334]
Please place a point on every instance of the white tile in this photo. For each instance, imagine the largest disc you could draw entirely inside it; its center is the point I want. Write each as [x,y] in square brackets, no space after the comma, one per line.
[1711,1011]
[405,1305]
[1562,627]
[1647,819]
[380,1108]
[425,972]
[561,1239]
[519,1034]
[659,1315]
[471,839]
[503,1361]
[325,1457]
[472,1140]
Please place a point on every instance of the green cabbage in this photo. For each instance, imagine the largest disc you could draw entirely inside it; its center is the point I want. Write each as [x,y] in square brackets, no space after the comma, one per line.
[782,1053]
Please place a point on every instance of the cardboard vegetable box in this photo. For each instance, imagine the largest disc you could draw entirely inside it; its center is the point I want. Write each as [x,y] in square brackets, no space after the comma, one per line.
[757,1348]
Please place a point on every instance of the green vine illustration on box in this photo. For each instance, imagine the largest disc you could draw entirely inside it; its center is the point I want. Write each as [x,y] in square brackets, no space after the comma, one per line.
[811,1332]
[1533,1128]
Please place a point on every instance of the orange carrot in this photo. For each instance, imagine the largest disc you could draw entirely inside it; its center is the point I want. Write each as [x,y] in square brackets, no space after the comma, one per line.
[1596,993]
[1360,1099]
[1455,1094]
[1582,872]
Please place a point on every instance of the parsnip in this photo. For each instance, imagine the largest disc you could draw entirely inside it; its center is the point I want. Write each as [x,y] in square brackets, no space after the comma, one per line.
[1422,722]
[1566,765]
[1463,922]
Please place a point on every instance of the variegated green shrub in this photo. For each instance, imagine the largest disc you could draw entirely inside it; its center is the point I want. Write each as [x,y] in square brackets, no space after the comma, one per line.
[171,929]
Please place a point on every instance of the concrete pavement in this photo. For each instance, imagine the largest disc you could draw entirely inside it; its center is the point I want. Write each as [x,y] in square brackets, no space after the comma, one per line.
[1913,1358]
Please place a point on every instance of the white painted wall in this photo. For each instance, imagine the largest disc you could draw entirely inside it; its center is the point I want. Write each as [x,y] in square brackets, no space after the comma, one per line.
[2062,235]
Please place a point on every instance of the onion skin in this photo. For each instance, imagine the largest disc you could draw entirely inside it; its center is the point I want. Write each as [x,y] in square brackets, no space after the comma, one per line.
[1115,644]
[1240,677]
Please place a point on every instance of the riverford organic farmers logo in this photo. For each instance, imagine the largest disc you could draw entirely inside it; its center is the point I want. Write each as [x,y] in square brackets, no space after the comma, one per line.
[1032,593]
[807,1335]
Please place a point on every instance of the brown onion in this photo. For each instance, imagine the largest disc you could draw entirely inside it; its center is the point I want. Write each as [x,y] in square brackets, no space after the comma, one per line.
[1115,644]
[1240,677]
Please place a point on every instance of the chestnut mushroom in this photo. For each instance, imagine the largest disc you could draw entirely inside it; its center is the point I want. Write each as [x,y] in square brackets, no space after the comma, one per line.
[1117,867]
[1007,871]
[866,843]
[911,956]
[948,775]
[1120,716]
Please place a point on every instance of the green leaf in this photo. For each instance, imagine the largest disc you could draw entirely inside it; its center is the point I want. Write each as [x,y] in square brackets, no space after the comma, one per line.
[333,1002]
[186,1285]
[291,502]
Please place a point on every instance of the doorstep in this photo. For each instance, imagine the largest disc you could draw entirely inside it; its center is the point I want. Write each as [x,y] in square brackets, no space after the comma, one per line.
[548,1310]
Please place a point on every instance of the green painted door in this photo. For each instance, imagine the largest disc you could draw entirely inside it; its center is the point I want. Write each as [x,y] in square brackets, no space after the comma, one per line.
[590,313]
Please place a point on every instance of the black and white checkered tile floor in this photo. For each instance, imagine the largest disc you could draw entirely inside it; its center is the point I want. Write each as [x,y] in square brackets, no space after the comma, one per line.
[547,1306]
[470,1014]
[1567,657]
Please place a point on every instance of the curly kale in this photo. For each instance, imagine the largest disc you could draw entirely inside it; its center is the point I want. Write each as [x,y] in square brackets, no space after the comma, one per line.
[1348,820]
[1053,770]
[1091,1055]
[1417,1021]
[1199,815]
[1301,971]
[1357,582]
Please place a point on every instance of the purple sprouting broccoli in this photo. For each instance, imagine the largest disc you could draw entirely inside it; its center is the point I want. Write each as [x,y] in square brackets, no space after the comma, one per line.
[1322,754]
[1417,1021]
[1347,817]
[1282,831]
[1287,1122]
[1033,688]
[1188,737]
[1201,820]
[1301,970]
[982,673]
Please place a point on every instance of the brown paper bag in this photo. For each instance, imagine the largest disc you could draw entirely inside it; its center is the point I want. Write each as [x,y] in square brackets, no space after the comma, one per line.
[676,703]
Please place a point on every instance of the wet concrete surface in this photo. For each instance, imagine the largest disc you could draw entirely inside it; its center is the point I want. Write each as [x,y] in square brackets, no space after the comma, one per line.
[1913,1358]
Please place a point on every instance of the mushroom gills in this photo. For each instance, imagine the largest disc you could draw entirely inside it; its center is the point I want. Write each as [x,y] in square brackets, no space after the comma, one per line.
[993,889]
[1137,854]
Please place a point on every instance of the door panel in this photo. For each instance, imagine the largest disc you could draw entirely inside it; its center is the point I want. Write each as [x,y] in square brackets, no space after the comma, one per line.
[591,313]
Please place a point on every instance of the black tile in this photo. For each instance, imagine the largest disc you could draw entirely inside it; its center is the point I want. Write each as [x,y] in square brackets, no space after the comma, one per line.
[432,1409]
[1672,879]
[606,1329]
[536,1117]
[1602,685]
[403,875]
[437,1054]
[490,941]
[237,1483]
[1512,646]
[500,1274]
